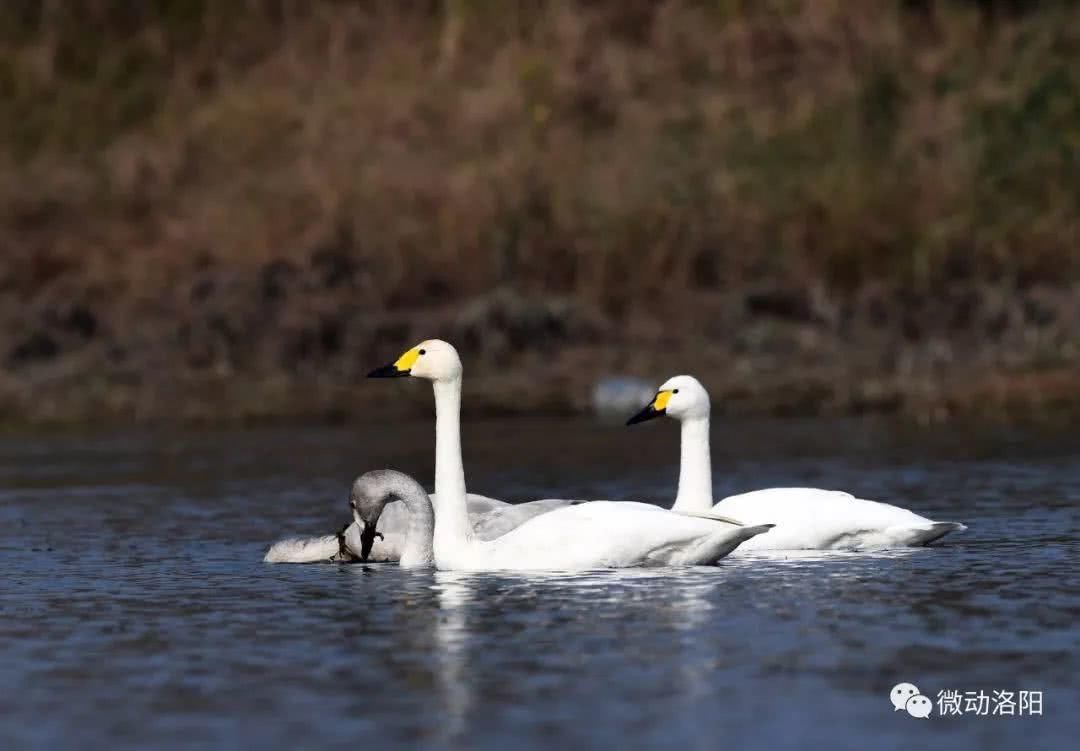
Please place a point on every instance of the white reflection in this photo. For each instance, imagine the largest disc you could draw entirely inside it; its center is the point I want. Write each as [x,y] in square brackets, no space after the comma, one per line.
[455,593]
[693,610]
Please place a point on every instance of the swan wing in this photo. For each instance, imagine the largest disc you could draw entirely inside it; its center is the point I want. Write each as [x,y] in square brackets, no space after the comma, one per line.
[499,521]
[476,504]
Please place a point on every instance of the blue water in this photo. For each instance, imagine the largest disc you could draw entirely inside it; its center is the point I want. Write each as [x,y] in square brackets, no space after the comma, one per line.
[135,611]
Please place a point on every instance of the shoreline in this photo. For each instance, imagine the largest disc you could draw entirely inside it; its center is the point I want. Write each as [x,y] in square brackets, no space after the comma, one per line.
[542,354]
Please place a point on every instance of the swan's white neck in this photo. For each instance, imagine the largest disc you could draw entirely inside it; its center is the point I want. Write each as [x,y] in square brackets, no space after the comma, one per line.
[452,528]
[695,467]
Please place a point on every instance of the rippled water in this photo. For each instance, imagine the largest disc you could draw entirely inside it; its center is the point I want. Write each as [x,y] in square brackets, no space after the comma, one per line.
[135,610]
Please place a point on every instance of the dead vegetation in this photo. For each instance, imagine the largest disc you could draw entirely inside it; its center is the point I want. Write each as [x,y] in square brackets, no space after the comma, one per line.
[277,193]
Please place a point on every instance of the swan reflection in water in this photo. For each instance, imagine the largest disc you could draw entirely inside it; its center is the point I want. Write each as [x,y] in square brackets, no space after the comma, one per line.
[669,606]
[454,593]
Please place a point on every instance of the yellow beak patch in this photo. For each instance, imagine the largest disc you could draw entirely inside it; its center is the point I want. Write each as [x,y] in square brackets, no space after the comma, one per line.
[407,360]
[661,400]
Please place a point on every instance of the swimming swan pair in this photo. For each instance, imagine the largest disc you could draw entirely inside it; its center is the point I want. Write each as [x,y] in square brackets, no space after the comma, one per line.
[476,532]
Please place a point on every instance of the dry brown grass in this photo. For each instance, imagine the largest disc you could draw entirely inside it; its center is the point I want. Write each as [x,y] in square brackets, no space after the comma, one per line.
[612,153]
[606,149]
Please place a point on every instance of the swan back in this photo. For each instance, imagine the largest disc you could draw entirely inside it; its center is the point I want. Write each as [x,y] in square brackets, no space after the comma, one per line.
[816,519]
[304,550]
[603,534]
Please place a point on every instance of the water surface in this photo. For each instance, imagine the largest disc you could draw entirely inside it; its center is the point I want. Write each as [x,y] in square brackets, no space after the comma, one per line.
[136,612]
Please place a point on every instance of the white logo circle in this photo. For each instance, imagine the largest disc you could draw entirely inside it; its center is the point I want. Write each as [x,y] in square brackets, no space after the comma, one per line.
[900,694]
[919,706]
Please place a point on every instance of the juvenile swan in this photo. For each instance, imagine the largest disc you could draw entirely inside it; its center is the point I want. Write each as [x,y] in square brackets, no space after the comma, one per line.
[490,518]
[806,518]
[599,534]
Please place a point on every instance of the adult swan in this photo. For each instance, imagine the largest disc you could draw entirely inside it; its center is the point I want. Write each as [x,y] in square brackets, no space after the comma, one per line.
[805,518]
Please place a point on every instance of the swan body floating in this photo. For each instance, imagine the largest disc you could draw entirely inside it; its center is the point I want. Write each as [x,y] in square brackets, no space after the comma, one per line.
[596,534]
[805,518]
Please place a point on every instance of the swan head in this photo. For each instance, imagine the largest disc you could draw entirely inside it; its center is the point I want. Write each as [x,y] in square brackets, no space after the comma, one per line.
[432,359]
[367,499]
[370,493]
[682,397]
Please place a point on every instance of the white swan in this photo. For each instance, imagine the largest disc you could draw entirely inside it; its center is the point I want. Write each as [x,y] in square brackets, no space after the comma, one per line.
[805,518]
[598,534]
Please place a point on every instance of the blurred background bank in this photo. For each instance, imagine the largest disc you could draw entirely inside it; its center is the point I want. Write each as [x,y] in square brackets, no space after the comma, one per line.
[232,211]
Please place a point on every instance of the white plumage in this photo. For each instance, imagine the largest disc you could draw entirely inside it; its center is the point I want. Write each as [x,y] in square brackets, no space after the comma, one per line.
[596,534]
[805,518]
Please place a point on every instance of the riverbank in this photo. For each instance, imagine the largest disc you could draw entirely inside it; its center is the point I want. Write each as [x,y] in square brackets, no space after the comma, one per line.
[269,347]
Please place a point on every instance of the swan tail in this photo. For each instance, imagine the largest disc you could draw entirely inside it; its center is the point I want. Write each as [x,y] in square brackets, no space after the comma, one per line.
[708,550]
[303,550]
[927,533]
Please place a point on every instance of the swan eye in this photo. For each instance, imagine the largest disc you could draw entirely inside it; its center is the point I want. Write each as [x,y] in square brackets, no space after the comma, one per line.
[675,391]
[421,352]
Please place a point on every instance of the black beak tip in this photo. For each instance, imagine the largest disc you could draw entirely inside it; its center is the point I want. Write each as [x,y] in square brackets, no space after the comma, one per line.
[387,371]
[644,415]
[367,541]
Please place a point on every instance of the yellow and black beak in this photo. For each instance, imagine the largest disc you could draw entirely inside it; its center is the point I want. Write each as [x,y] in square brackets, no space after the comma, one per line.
[400,368]
[655,408]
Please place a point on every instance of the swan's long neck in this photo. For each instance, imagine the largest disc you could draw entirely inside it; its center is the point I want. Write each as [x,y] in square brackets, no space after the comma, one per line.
[452,526]
[695,467]
[419,537]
